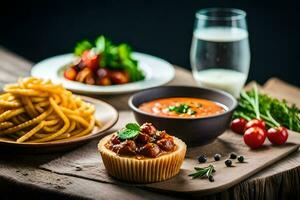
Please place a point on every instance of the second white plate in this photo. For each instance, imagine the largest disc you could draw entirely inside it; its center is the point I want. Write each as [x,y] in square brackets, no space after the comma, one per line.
[158,72]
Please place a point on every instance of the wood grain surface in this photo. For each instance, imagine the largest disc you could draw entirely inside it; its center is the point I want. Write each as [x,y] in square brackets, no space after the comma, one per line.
[91,166]
[28,174]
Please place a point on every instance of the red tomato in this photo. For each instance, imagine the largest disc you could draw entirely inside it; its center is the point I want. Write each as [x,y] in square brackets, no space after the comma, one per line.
[254,137]
[90,59]
[70,74]
[238,125]
[278,135]
[255,123]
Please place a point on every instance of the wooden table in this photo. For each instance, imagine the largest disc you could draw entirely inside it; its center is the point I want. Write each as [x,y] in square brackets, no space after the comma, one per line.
[21,174]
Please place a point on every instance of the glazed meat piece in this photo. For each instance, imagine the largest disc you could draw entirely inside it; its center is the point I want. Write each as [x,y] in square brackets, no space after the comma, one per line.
[150,150]
[127,147]
[115,140]
[148,128]
[104,81]
[81,76]
[90,80]
[103,77]
[119,77]
[143,138]
[160,134]
[166,144]
[148,142]
[101,73]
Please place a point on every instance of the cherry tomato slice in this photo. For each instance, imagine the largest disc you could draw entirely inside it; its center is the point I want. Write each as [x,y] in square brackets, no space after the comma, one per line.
[278,135]
[255,123]
[254,137]
[238,125]
[90,60]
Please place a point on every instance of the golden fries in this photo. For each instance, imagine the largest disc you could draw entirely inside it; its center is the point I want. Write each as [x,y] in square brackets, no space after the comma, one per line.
[35,110]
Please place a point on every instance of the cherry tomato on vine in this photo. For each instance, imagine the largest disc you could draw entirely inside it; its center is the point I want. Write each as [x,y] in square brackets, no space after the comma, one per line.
[254,137]
[238,125]
[278,135]
[255,123]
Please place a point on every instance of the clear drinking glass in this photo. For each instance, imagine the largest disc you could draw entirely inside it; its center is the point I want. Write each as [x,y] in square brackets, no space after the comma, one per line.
[220,54]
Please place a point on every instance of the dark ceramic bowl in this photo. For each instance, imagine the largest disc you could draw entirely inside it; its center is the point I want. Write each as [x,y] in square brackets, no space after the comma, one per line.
[194,131]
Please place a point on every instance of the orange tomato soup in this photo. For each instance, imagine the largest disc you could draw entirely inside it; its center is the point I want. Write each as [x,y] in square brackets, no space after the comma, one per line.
[178,107]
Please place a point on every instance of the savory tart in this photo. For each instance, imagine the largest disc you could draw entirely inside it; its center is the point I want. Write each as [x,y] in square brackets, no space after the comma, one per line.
[142,154]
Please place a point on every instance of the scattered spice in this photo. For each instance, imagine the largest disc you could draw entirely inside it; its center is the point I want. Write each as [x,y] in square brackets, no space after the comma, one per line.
[77,168]
[232,155]
[241,159]
[202,159]
[217,157]
[228,163]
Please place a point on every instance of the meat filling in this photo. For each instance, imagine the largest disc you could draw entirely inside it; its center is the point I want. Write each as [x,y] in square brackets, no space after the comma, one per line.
[149,143]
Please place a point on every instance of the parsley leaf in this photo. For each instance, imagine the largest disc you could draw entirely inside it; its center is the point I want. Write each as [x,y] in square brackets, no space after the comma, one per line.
[131,130]
[182,109]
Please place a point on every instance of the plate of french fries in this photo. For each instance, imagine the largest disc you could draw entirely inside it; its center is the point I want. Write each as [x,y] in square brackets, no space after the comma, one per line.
[40,116]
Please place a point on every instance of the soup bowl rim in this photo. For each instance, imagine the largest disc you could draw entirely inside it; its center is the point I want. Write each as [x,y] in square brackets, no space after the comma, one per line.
[227,108]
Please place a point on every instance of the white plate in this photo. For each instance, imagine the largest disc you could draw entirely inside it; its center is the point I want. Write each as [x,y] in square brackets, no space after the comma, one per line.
[157,71]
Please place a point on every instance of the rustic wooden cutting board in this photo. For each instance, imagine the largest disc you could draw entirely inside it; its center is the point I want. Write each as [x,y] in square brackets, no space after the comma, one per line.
[87,163]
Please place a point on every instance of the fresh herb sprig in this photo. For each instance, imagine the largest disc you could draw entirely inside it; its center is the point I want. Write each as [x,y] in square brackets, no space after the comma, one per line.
[182,109]
[131,130]
[274,112]
[204,172]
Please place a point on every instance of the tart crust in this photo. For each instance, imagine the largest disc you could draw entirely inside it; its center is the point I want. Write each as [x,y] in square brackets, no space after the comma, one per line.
[145,170]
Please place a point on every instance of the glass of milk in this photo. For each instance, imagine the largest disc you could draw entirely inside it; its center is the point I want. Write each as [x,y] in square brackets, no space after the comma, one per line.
[220,54]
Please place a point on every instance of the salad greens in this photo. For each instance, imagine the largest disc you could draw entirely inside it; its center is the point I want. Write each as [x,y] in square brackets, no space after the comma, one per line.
[131,130]
[112,56]
[81,47]
[274,112]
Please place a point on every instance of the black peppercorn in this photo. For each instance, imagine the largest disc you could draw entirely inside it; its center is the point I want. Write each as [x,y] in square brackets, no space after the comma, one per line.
[228,163]
[202,159]
[211,178]
[241,159]
[217,157]
[232,155]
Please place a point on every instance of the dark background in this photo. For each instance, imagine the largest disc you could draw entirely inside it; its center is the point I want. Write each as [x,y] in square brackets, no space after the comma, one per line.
[40,29]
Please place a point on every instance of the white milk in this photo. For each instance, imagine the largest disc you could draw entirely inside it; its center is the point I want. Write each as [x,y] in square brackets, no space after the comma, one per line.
[228,80]
[220,58]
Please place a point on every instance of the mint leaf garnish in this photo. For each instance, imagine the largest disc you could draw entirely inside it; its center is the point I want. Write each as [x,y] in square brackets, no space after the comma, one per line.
[131,130]
[133,126]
